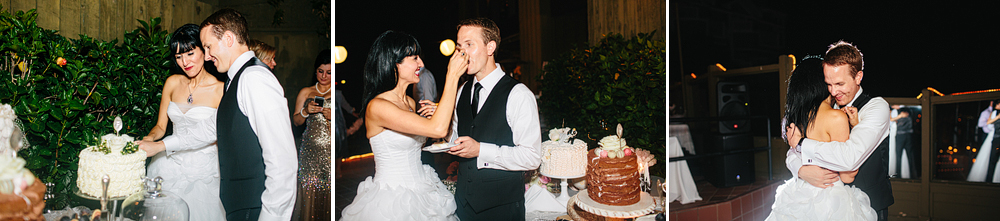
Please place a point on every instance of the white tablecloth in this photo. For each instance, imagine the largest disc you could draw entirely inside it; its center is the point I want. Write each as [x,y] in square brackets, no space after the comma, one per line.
[683,134]
[681,185]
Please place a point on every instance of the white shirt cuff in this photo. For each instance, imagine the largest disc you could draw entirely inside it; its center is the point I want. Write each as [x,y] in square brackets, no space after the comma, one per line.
[170,144]
[807,154]
[488,154]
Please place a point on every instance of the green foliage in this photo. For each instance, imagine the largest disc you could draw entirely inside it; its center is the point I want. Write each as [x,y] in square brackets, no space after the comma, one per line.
[618,81]
[64,108]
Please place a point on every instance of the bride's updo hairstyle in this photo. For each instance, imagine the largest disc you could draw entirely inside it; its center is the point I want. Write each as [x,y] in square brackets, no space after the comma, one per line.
[388,50]
[806,91]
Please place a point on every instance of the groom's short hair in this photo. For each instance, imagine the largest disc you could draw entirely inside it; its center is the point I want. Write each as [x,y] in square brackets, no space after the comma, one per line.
[228,19]
[843,53]
[490,30]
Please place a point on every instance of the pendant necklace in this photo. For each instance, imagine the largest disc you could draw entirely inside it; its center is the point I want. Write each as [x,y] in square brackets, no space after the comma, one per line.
[400,99]
[327,90]
[190,94]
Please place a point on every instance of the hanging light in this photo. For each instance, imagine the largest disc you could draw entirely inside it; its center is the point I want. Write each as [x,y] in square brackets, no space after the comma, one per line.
[339,54]
[447,47]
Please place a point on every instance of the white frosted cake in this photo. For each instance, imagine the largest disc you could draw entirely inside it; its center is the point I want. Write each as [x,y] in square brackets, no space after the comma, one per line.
[563,156]
[125,170]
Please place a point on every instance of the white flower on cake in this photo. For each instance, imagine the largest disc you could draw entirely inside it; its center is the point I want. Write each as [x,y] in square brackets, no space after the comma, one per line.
[562,134]
[613,146]
[117,143]
[13,177]
[7,117]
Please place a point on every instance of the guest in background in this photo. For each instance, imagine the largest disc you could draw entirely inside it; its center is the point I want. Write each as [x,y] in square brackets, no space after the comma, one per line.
[426,89]
[426,92]
[314,154]
[264,52]
[904,141]
[188,159]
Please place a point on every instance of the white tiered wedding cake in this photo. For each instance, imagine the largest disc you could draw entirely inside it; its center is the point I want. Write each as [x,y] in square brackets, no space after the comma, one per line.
[120,159]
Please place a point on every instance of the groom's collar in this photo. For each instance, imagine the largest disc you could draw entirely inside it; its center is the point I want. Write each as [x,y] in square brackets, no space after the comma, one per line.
[490,80]
[856,95]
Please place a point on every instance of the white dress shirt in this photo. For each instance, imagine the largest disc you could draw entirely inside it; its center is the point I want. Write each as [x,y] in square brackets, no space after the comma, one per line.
[872,128]
[262,99]
[522,117]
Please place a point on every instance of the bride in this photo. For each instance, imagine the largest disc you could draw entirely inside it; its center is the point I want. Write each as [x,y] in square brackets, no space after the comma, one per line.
[188,159]
[809,108]
[402,188]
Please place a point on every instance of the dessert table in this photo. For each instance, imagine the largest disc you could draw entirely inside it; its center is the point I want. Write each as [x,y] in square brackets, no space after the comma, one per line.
[681,185]
[683,134]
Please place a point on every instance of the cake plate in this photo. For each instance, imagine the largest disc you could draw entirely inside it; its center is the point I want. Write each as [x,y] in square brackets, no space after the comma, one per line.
[643,207]
[114,208]
[564,192]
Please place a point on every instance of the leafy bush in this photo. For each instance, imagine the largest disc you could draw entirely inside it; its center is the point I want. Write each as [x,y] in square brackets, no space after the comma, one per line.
[65,107]
[619,80]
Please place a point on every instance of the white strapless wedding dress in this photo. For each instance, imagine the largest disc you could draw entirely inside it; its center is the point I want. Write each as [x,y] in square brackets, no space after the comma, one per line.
[797,200]
[402,188]
[192,172]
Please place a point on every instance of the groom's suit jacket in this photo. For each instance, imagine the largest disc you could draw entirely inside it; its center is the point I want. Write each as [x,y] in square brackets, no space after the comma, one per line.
[487,188]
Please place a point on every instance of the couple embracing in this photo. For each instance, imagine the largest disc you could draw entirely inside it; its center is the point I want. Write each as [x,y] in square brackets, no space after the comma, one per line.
[838,159]
[492,118]
[231,155]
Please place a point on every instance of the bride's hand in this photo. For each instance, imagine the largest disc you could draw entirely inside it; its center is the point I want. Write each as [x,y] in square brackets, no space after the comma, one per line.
[151,148]
[427,108]
[458,64]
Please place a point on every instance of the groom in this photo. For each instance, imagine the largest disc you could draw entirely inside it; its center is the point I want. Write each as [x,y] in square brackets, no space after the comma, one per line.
[497,130]
[865,150]
[257,159]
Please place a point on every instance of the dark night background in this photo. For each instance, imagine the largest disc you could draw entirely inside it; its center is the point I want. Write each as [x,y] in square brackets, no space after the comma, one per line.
[907,46]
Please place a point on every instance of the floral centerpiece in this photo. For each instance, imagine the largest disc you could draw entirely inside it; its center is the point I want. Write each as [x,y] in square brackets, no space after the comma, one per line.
[533,177]
[452,172]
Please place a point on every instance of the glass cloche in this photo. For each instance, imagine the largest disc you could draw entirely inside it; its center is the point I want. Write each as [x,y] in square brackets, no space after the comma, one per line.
[154,204]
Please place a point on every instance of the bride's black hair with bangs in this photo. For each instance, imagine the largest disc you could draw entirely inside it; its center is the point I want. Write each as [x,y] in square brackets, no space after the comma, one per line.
[388,50]
[185,39]
[806,91]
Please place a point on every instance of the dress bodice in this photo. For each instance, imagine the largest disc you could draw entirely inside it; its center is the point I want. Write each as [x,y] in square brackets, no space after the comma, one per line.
[195,127]
[397,157]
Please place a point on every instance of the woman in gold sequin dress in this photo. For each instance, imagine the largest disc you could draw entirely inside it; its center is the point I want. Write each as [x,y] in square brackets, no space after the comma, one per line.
[313,200]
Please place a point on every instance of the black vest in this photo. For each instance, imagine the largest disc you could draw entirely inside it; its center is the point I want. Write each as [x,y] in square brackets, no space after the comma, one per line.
[487,188]
[241,163]
[873,176]
[996,127]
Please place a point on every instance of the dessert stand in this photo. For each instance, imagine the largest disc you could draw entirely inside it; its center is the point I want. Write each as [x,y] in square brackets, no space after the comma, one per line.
[564,192]
[641,208]
[104,202]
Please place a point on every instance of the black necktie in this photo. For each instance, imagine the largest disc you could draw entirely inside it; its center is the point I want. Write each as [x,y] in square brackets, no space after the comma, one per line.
[475,99]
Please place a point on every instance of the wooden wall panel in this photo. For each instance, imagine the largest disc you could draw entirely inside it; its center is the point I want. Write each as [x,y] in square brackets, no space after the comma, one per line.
[92,18]
[48,14]
[70,18]
[109,19]
[626,17]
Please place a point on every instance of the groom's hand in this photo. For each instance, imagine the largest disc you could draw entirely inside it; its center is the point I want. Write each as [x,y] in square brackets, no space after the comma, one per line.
[818,176]
[467,147]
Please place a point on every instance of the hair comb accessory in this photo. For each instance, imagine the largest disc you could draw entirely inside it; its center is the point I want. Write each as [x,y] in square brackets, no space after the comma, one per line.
[816,56]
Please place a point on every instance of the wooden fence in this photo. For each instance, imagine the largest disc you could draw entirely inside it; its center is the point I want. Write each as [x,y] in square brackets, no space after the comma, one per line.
[109,19]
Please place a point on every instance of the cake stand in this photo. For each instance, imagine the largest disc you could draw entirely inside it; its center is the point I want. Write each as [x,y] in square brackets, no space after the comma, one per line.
[564,192]
[113,208]
[643,207]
